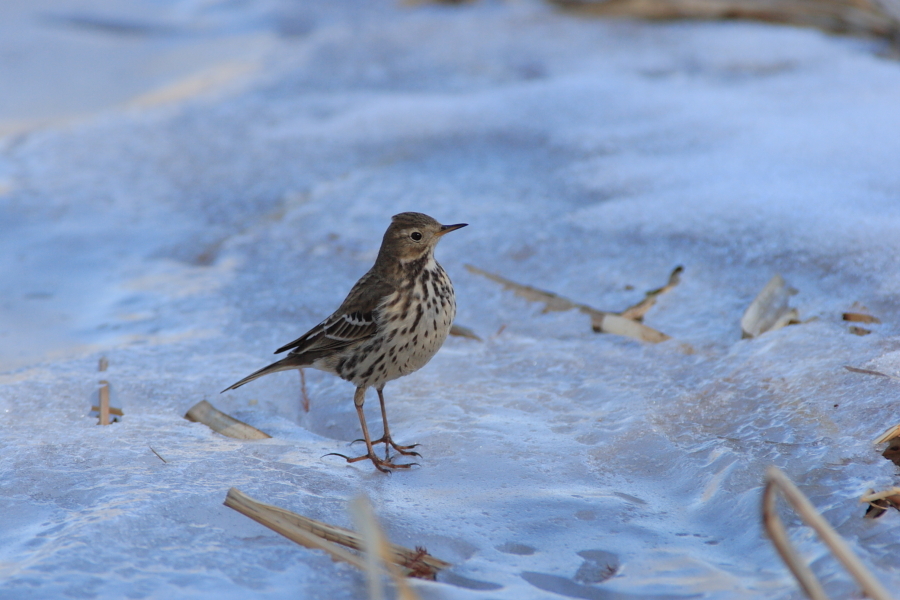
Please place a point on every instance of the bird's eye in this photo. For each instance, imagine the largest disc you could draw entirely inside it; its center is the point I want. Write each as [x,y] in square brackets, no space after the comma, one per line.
[416,236]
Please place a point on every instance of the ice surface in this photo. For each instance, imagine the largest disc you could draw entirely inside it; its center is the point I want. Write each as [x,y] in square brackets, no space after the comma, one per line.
[186,240]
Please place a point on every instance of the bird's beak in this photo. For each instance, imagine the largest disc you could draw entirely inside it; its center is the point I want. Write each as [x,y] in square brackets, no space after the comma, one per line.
[448,228]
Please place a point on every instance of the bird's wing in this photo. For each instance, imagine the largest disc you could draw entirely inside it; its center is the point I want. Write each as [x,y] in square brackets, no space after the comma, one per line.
[352,322]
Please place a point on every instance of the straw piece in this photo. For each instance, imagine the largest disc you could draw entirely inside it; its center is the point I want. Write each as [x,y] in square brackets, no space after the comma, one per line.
[206,413]
[279,520]
[414,563]
[601,321]
[460,331]
[891,434]
[638,311]
[112,410]
[855,317]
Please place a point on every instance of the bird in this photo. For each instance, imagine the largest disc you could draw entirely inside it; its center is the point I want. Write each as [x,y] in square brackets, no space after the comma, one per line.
[393,321]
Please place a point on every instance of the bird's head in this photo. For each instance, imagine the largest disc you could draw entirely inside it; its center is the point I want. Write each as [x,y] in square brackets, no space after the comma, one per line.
[413,235]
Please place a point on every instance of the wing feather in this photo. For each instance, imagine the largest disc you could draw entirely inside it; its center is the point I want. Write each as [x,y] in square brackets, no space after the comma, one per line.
[353,322]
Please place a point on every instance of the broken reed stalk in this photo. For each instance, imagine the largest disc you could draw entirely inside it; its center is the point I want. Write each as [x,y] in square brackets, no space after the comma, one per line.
[601,321]
[637,312]
[860,17]
[280,521]
[316,534]
[206,413]
[104,394]
[776,481]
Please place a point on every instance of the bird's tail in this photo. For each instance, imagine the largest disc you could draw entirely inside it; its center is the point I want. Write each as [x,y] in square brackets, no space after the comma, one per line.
[285,364]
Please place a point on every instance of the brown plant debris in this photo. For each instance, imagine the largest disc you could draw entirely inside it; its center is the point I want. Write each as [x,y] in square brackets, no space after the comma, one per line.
[638,311]
[769,310]
[331,538]
[206,413]
[869,372]
[465,332]
[304,397]
[777,481]
[157,455]
[892,433]
[892,437]
[856,317]
[859,330]
[601,321]
[880,502]
[103,394]
[112,410]
[859,17]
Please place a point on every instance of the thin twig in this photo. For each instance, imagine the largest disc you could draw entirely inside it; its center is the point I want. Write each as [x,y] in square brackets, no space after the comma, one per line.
[869,372]
[157,455]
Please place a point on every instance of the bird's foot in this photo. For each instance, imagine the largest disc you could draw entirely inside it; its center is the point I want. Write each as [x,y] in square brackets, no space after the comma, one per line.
[386,439]
[384,466]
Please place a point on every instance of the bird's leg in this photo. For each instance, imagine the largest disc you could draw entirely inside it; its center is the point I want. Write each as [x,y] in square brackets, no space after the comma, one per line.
[384,466]
[386,437]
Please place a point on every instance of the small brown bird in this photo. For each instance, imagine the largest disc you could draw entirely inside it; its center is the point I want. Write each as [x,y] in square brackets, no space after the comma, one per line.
[392,322]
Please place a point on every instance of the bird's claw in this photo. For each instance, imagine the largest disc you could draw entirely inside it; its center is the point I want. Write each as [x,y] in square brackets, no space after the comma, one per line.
[401,449]
[384,466]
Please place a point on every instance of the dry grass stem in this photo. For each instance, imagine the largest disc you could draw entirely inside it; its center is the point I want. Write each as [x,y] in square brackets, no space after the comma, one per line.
[776,481]
[309,532]
[861,17]
[637,312]
[206,413]
[465,332]
[880,502]
[157,455]
[601,321]
[281,521]
[304,397]
[891,434]
[769,310]
[856,317]
[869,372]
[893,493]
[112,410]
[104,394]
[377,552]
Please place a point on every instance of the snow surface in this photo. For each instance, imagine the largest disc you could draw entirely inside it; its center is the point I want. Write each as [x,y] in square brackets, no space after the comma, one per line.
[187,236]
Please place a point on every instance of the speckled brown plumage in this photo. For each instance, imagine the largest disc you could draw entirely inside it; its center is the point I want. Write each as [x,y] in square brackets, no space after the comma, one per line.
[392,322]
